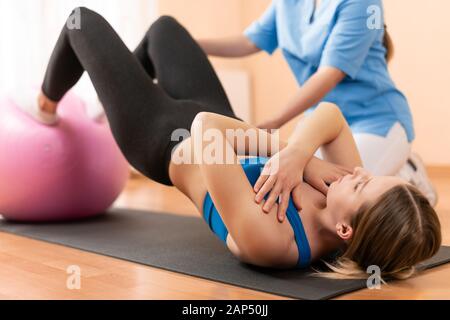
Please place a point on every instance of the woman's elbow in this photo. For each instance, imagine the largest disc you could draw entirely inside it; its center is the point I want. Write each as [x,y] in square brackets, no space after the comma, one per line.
[201,121]
[265,253]
[331,112]
[330,108]
[267,259]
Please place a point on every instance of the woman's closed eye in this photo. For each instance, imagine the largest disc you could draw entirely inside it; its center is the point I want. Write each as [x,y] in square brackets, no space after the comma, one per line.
[357,185]
[362,183]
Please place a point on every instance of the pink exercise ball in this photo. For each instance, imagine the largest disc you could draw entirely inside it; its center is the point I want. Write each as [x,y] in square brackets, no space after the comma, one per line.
[72,170]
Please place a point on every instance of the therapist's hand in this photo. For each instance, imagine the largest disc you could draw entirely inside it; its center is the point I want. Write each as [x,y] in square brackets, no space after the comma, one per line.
[281,174]
[320,174]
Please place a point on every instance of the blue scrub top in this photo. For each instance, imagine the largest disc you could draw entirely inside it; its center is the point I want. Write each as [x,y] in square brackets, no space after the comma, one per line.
[338,35]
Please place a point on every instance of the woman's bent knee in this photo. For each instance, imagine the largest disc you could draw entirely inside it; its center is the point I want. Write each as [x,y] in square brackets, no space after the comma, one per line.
[164,23]
[83,18]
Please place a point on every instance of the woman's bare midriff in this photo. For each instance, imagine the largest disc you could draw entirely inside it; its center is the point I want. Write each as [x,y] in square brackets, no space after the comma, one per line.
[187,178]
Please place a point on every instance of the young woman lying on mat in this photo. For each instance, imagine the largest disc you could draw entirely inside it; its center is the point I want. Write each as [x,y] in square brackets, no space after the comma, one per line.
[373,220]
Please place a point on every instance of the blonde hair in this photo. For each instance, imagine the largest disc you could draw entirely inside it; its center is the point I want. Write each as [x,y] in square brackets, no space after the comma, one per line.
[395,233]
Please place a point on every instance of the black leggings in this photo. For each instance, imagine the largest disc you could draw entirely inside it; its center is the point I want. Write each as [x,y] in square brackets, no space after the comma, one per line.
[142,115]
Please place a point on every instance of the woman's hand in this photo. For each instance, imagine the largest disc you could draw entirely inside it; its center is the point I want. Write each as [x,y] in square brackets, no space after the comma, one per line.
[285,172]
[281,174]
[320,174]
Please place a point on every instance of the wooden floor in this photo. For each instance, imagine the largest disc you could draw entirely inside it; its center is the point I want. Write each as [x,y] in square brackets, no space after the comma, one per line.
[36,270]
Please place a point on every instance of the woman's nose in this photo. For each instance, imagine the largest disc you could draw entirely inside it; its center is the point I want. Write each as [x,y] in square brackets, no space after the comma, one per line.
[361,172]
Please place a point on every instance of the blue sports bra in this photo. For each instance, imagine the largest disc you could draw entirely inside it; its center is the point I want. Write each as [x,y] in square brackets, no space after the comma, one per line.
[252,168]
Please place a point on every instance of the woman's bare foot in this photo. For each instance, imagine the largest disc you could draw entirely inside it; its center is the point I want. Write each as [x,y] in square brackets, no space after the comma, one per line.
[40,108]
[46,105]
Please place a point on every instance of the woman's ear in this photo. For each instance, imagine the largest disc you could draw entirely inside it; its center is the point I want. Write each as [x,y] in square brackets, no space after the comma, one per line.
[344,231]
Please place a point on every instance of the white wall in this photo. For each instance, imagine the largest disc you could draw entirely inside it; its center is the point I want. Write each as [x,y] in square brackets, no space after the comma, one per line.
[29,30]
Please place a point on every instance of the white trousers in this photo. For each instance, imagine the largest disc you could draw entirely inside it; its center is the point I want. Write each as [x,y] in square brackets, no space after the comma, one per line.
[383,156]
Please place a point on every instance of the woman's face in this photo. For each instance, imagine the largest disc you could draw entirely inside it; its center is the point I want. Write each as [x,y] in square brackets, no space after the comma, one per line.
[349,193]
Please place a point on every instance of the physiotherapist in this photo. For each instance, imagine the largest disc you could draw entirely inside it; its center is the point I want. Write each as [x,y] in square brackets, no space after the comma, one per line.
[338,52]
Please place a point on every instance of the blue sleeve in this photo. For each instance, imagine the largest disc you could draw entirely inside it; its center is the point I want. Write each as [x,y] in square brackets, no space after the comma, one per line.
[351,38]
[263,32]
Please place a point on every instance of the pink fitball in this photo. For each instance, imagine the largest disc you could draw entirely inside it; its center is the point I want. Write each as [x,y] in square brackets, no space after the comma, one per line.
[72,170]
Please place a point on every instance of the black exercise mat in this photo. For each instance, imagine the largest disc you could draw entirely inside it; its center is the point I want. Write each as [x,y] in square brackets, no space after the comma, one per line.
[184,245]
